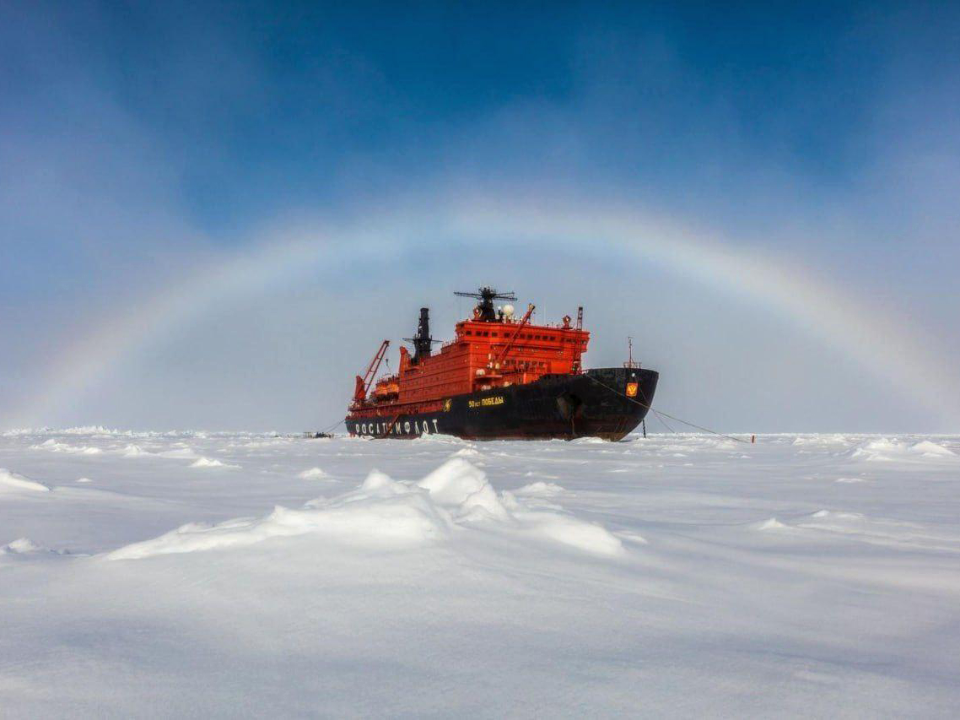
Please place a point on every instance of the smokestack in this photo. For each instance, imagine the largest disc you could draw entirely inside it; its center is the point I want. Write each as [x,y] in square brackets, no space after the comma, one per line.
[422,343]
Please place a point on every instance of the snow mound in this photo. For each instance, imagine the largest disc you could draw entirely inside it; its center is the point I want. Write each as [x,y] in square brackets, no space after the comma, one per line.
[205,462]
[576,533]
[391,515]
[381,513]
[132,451]
[84,480]
[312,474]
[851,480]
[52,445]
[463,488]
[26,546]
[12,481]
[20,546]
[771,524]
[885,450]
[540,489]
[932,449]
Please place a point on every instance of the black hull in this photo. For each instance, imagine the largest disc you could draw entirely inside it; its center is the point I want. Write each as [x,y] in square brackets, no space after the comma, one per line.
[594,404]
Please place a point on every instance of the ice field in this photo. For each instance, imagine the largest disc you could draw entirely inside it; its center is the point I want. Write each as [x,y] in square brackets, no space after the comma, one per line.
[198,575]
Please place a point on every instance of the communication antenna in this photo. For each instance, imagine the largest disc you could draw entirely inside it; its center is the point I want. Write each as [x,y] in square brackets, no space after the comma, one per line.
[630,363]
[485,309]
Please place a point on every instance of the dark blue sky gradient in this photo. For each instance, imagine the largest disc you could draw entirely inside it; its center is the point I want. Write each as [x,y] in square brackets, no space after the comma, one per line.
[276,105]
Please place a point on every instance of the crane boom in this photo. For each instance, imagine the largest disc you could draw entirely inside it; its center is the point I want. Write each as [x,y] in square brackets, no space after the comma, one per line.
[506,348]
[363,383]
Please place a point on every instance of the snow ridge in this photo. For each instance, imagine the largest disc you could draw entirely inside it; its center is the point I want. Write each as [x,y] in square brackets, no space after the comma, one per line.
[392,514]
[11,481]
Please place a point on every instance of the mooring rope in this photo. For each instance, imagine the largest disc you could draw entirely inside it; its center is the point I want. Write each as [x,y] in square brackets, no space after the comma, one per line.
[333,427]
[658,413]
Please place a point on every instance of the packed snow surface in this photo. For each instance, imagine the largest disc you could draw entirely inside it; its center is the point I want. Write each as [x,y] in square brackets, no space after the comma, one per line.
[222,575]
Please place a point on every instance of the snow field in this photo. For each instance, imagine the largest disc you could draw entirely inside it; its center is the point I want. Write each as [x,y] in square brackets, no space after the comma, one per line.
[681,576]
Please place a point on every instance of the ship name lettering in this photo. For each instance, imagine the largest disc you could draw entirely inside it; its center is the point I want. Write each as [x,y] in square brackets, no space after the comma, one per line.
[487,401]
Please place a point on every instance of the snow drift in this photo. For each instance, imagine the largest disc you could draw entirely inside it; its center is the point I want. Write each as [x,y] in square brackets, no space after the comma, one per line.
[11,481]
[387,513]
[679,578]
[889,450]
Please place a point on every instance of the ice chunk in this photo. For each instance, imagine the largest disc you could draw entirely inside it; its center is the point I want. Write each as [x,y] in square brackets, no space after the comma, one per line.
[459,484]
[771,524]
[20,546]
[205,462]
[312,474]
[543,489]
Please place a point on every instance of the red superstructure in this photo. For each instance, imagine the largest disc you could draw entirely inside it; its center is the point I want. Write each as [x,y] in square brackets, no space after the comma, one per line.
[494,349]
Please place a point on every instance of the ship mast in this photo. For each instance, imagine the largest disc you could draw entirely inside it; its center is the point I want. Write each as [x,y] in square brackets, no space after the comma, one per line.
[578,347]
[485,310]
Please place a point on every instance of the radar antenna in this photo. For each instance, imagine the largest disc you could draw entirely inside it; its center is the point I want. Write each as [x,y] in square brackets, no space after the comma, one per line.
[486,295]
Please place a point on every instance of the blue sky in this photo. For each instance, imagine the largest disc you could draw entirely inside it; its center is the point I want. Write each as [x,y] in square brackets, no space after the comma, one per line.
[141,144]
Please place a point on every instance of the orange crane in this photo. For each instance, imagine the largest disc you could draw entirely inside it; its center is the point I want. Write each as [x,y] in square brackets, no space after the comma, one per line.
[363,383]
[506,348]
